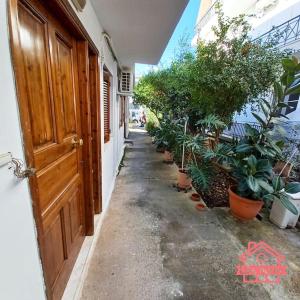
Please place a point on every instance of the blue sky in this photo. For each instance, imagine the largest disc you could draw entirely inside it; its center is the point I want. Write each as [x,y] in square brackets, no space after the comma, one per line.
[185,26]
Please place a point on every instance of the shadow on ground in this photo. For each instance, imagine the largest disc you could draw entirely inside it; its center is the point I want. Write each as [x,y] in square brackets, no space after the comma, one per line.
[154,244]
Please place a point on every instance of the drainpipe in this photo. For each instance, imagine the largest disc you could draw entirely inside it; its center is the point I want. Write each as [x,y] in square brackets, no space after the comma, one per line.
[111,49]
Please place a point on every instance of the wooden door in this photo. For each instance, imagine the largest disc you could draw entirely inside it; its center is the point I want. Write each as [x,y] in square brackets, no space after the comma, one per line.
[45,63]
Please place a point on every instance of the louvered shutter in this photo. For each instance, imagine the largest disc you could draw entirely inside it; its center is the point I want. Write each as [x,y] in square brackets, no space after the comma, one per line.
[106,103]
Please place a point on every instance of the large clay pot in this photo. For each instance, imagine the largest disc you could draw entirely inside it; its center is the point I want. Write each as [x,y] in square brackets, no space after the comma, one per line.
[168,156]
[184,181]
[243,208]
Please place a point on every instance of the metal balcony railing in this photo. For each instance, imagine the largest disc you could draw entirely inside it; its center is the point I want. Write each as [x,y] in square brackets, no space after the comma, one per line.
[208,15]
[237,130]
[283,34]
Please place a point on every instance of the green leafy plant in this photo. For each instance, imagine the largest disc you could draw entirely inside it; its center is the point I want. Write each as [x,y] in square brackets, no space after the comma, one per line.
[201,174]
[211,125]
[167,133]
[253,157]
[231,70]
[262,143]
[257,181]
[151,127]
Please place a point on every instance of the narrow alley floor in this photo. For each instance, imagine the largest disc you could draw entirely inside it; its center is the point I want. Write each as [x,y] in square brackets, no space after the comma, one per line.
[154,244]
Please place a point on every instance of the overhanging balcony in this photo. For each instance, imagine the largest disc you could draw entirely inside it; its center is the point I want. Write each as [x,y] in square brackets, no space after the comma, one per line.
[282,35]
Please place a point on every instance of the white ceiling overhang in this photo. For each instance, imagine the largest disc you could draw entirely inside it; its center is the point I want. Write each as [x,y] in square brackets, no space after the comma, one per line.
[139,29]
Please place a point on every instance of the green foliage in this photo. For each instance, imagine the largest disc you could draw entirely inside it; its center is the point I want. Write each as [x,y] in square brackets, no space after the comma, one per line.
[167,133]
[211,124]
[201,174]
[252,158]
[166,91]
[149,92]
[151,127]
[207,89]
[256,181]
[231,70]
[261,143]
[152,124]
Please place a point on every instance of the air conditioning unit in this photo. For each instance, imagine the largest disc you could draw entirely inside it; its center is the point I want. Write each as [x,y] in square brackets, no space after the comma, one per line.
[79,4]
[126,82]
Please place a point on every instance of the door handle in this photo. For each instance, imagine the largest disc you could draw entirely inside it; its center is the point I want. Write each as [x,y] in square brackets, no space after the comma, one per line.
[17,166]
[77,142]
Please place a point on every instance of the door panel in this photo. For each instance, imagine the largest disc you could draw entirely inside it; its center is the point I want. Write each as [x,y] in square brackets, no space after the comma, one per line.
[55,255]
[66,84]
[33,41]
[49,186]
[48,97]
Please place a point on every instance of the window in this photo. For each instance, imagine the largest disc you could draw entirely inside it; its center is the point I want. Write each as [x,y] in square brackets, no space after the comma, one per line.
[106,106]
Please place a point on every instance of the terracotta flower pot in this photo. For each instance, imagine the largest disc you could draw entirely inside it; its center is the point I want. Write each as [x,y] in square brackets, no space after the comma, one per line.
[195,197]
[243,208]
[184,181]
[200,207]
[160,149]
[168,156]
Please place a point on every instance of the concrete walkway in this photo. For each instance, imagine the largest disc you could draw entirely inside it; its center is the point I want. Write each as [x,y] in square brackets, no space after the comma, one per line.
[153,244]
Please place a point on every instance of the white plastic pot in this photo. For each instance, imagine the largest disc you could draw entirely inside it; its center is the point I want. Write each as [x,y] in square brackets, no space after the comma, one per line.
[281,216]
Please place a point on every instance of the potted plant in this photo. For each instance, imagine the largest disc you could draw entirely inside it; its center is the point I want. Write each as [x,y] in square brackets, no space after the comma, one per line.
[167,138]
[253,158]
[205,160]
[210,128]
[257,184]
[183,179]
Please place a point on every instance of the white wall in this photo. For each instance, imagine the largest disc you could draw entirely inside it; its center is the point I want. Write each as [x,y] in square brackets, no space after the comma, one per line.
[111,150]
[20,269]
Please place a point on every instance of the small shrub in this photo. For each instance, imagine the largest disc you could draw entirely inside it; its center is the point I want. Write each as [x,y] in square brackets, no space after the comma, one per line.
[151,127]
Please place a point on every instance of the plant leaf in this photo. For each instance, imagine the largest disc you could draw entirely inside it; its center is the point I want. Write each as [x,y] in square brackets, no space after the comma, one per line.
[264,109]
[263,165]
[252,161]
[252,183]
[259,119]
[266,186]
[292,187]
[283,105]
[243,148]
[277,183]
[278,91]
[266,103]
[285,201]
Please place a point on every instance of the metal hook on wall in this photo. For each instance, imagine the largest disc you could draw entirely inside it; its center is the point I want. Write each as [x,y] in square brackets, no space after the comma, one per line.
[17,166]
